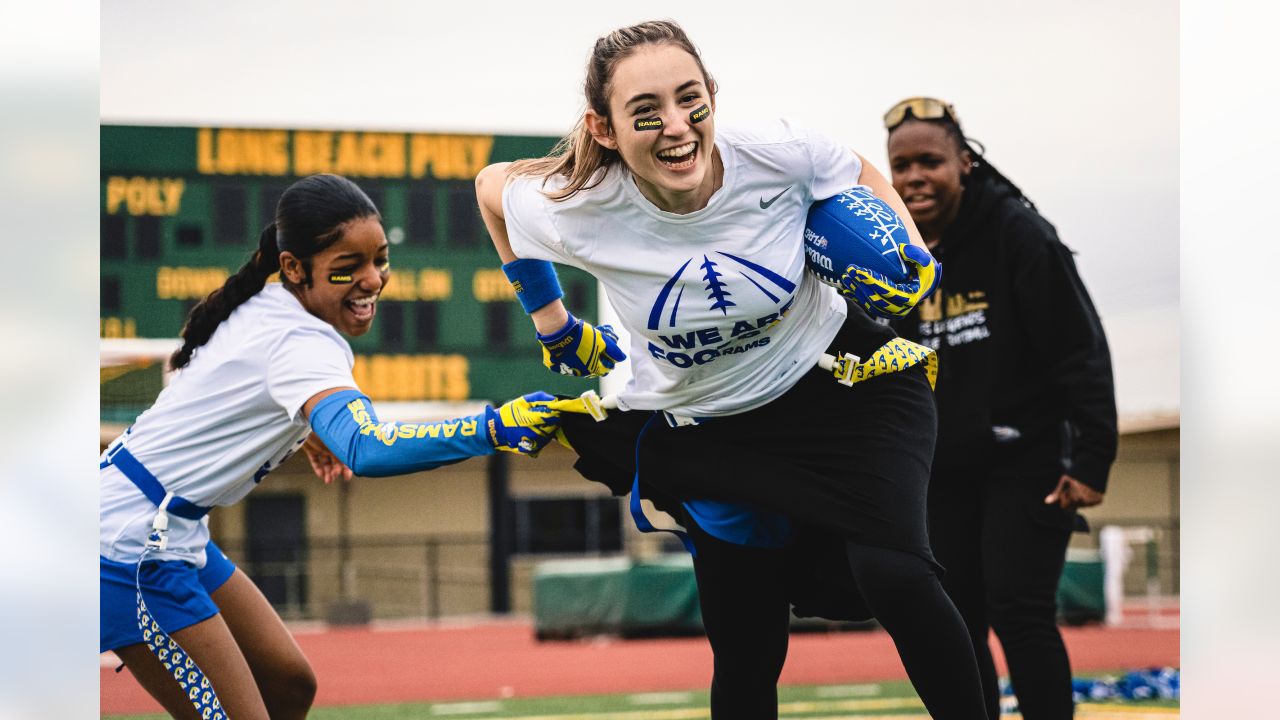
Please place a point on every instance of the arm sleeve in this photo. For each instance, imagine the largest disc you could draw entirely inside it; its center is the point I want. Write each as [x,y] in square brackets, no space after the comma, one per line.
[835,167]
[304,363]
[530,229]
[347,424]
[1064,330]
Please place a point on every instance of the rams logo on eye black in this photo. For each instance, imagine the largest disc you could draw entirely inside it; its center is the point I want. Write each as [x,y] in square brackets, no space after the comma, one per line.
[341,279]
[649,124]
[700,114]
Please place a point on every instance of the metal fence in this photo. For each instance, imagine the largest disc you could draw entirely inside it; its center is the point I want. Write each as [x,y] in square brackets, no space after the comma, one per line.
[1154,554]
[434,576]
[427,576]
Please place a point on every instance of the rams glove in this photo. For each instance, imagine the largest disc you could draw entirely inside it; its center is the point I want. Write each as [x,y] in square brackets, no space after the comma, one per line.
[581,349]
[881,296]
[524,425]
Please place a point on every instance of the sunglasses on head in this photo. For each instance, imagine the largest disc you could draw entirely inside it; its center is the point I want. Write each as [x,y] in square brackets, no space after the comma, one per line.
[922,108]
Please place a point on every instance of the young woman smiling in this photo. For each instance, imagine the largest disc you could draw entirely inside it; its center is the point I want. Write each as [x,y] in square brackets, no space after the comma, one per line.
[696,232]
[262,366]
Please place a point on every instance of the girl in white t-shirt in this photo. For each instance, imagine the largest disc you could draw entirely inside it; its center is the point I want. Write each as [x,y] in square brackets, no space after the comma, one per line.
[696,233]
[261,368]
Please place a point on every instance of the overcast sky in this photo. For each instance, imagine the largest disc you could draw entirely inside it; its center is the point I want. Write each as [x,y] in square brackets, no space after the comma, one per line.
[1076,102]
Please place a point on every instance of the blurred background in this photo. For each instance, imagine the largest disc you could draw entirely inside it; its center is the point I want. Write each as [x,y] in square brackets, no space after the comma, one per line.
[1079,104]
[208,112]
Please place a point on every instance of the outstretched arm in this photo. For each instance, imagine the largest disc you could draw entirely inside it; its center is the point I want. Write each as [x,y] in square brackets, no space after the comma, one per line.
[344,418]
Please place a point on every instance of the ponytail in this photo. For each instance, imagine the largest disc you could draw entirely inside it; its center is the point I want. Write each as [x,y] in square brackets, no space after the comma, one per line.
[577,157]
[218,305]
[312,214]
[983,170]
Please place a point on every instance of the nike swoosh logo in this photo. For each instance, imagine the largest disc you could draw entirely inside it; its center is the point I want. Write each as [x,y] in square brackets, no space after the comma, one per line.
[764,204]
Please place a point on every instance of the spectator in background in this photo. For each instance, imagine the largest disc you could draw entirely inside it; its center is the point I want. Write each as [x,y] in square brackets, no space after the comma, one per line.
[1026,402]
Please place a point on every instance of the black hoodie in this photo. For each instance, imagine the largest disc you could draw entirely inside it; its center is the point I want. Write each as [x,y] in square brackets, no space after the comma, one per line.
[1023,366]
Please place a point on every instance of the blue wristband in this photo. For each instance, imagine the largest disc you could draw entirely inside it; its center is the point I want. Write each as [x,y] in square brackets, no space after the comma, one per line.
[535,282]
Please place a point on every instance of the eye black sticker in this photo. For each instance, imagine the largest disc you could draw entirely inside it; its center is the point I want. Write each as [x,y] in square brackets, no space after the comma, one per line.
[654,123]
[341,279]
[702,113]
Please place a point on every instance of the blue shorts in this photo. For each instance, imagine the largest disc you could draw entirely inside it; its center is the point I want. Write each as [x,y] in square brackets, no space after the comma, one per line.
[176,593]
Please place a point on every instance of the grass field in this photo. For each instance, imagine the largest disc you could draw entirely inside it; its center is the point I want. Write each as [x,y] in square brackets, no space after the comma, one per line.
[894,700]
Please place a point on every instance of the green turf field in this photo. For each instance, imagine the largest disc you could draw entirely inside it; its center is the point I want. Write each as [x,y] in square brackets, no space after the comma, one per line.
[830,702]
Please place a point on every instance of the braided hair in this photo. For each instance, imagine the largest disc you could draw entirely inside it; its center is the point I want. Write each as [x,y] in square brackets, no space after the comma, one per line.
[310,216]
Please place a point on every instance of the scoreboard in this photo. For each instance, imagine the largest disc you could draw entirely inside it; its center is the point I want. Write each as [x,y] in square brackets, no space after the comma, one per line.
[182,209]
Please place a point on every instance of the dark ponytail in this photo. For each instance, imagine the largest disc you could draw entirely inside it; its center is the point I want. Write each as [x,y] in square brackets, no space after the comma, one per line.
[311,216]
[984,171]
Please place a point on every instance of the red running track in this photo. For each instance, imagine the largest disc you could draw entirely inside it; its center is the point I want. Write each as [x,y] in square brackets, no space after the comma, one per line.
[502,659]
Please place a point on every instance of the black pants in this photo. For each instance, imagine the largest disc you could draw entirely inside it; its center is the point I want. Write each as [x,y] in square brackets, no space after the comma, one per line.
[746,613]
[850,464]
[1004,551]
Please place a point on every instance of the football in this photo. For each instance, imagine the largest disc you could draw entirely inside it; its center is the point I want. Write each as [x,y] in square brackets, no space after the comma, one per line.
[854,228]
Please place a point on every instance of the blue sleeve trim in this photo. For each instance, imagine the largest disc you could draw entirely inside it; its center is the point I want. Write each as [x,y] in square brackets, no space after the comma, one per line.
[348,425]
[535,282]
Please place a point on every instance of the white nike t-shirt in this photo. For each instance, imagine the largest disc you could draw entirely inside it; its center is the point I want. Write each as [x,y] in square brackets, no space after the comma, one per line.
[723,315]
[226,420]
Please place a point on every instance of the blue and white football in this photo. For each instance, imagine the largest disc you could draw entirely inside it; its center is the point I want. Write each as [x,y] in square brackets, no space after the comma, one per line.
[854,228]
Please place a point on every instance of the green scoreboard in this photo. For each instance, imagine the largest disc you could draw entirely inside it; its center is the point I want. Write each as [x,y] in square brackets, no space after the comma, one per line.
[182,209]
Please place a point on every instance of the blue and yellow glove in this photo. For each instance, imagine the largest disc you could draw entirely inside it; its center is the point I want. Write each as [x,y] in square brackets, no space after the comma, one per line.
[524,425]
[881,296]
[581,349]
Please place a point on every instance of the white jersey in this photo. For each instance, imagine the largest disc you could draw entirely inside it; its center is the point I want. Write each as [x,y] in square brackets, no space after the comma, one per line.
[723,315]
[226,420]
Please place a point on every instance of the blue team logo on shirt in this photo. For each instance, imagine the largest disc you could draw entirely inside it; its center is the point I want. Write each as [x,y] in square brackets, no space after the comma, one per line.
[708,343]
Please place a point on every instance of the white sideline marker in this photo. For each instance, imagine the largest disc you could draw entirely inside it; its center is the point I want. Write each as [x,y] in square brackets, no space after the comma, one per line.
[661,698]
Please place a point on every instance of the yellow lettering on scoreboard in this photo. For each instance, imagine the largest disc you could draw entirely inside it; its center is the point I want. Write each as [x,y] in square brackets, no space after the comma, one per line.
[492,286]
[114,327]
[400,286]
[424,284]
[449,157]
[232,151]
[412,377]
[144,196]
[434,284]
[354,154]
[312,152]
[188,283]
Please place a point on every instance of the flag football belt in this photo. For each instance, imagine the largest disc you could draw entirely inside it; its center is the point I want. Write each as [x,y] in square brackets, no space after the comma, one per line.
[894,356]
[139,475]
[178,662]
